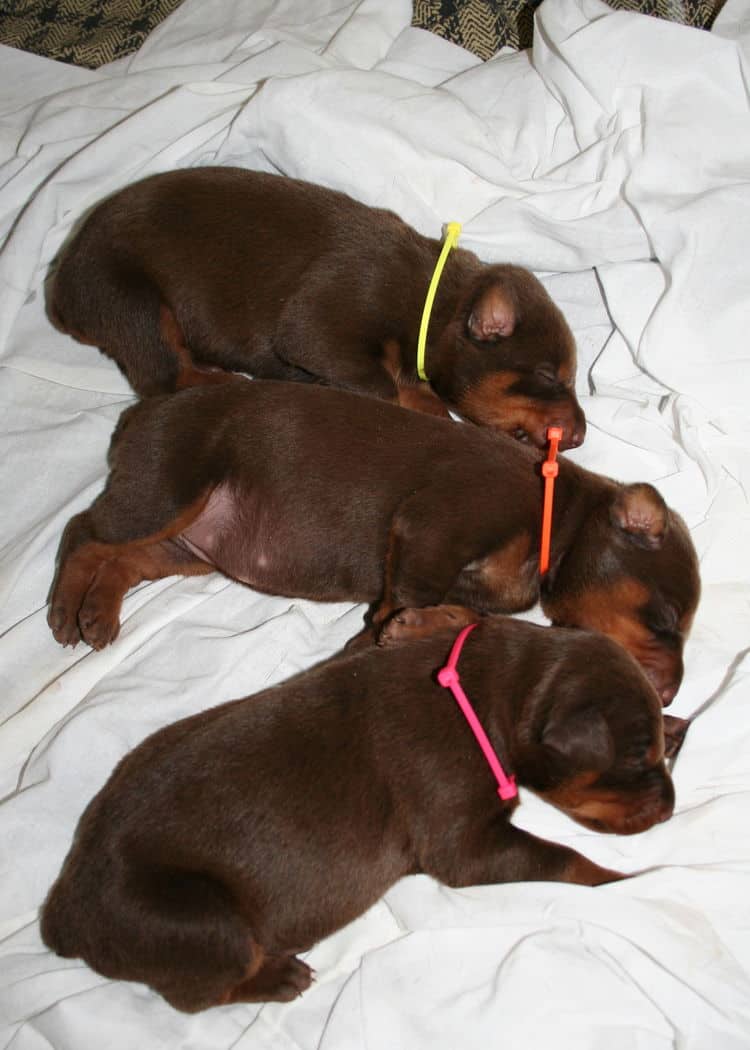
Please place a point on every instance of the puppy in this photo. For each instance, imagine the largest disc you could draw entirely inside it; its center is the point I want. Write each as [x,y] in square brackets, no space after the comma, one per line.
[230,841]
[315,493]
[223,268]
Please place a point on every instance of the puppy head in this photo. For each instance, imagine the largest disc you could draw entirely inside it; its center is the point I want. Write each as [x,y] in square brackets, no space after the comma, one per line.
[593,742]
[508,359]
[631,573]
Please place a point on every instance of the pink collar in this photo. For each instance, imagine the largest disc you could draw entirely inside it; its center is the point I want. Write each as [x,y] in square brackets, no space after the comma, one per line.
[448,678]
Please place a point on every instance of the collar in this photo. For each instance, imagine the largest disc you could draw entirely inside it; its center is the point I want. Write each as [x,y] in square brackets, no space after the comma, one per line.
[452,233]
[448,678]
[550,469]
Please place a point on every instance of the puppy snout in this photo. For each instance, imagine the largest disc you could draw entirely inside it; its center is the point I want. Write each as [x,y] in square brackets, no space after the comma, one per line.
[664,667]
[667,693]
[572,438]
[573,426]
[666,681]
[649,812]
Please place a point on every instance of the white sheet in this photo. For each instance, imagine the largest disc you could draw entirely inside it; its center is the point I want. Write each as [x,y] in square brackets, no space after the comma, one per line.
[621,143]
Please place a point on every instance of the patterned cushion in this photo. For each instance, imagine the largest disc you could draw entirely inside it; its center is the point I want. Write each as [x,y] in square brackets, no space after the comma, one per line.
[484,26]
[83,32]
[92,32]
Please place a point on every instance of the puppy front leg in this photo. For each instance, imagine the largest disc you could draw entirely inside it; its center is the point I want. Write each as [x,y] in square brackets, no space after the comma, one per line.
[505,853]
[422,398]
[348,360]
[428,546]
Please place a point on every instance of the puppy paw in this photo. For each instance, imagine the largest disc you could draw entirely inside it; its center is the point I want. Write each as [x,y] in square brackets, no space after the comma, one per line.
[407,625]
[63,622]
[98,624]
[295,977]
[280,979]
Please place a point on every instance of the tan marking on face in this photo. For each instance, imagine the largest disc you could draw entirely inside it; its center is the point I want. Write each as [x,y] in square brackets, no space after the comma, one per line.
[611,610]
[488,403]
[623,811]
[615,611]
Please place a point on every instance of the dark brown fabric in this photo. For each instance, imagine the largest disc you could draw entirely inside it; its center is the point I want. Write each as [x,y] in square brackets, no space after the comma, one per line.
[484,26]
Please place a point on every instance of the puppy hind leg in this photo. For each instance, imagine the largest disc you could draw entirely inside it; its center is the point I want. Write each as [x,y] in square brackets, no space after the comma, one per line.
[178,931]
[103,301]
[99,613]
[205,952]
[99,560]
[73,577]
[280,978]
[423,561]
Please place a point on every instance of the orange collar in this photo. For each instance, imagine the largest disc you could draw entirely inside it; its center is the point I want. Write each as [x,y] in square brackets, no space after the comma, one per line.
[550,470]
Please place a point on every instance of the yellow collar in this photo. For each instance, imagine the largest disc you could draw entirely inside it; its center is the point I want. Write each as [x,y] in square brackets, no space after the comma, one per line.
[452,233]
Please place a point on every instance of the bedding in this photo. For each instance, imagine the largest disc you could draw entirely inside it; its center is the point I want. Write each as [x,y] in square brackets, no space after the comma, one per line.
[613,158]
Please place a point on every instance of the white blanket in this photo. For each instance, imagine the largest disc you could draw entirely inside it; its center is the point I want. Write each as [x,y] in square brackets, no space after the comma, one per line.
[615,160]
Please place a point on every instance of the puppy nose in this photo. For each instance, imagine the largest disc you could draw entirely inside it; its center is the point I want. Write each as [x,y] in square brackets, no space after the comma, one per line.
[572,436]
[665,671]
[667,693]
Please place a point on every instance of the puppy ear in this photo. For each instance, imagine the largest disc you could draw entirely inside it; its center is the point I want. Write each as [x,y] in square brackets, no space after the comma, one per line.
[580,739]
[640,511]
[493,315]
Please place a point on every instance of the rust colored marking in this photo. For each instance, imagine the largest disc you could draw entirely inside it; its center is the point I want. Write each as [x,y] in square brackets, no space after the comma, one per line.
[94,578]
[188,372]
[510,571]
[613,610]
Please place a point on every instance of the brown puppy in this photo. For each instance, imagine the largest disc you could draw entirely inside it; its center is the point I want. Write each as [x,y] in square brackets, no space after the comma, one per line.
[226,268]
[316,493]
[230,841]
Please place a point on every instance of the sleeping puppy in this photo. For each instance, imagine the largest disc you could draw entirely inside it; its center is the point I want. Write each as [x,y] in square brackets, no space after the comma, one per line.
[222,268]
[315,493]
[228,842]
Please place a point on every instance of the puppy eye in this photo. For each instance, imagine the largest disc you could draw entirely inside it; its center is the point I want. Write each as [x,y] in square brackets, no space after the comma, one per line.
[547,374]
[664,621]
[669,620]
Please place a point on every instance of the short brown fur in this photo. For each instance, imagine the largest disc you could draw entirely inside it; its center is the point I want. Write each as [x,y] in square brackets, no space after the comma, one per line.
[228,842]
[201,269]
[327,495]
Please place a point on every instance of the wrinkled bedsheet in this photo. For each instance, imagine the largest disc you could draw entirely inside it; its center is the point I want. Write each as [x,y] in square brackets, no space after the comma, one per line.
[613,159]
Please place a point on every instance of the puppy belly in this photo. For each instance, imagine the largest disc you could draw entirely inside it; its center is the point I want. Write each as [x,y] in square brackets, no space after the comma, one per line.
[278,550]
